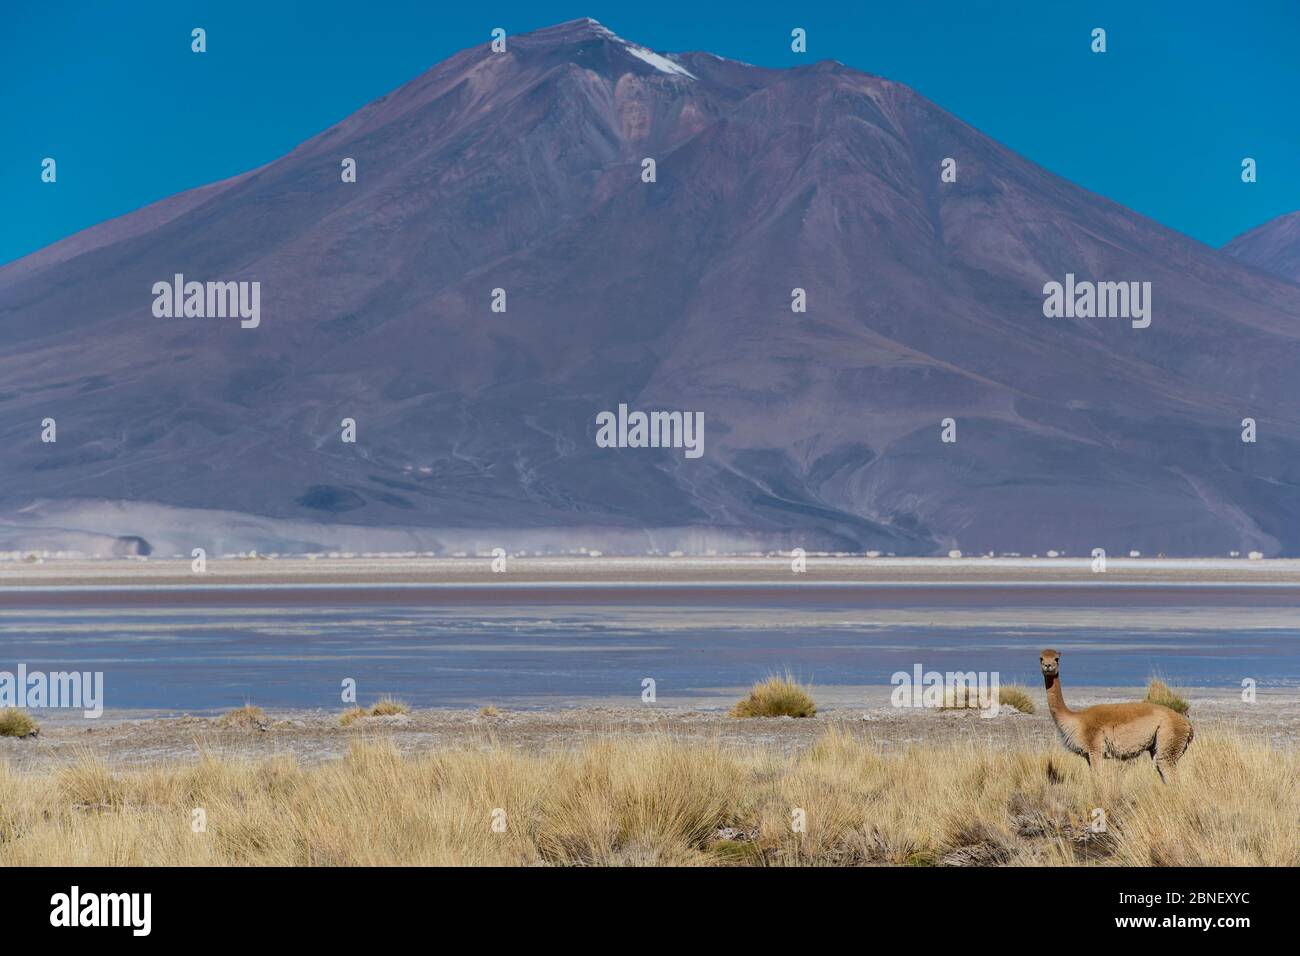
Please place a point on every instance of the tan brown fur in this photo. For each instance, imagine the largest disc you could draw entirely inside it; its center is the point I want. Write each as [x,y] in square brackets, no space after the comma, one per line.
[1118,731]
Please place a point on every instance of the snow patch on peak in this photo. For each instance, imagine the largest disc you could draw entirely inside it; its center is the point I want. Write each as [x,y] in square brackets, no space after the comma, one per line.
[660,63]
[598,27]
[590,26]
[723,59]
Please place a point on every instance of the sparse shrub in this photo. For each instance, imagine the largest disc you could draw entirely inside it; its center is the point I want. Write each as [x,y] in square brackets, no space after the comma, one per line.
[248,717]
[488,710]
[960,698]
[384,707]
[963,697]
[17,723]
[776,697]
[1158,692]
[87,784]
[966,697]
[389,707]
[737,852]
[1017,697]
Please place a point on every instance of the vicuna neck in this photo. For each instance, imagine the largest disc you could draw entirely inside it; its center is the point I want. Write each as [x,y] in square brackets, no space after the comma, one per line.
[1055,699]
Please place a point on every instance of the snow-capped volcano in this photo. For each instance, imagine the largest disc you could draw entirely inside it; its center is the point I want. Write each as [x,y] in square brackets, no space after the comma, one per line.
[524,172]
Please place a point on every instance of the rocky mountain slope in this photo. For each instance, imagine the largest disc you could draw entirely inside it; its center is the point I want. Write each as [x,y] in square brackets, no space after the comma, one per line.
[523,171]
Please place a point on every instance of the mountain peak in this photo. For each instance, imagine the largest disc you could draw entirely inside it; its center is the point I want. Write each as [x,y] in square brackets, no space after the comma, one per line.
[586,29]
[572,31]
[580,25]
[1273,247]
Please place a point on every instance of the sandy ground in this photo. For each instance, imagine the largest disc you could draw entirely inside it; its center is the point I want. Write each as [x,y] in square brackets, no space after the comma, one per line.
[311,736]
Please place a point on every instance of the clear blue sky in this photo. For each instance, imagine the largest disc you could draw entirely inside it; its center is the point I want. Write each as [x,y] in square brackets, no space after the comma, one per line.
[1159,123]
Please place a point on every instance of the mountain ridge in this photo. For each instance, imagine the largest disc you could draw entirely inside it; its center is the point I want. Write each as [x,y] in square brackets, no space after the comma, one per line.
[1273,246]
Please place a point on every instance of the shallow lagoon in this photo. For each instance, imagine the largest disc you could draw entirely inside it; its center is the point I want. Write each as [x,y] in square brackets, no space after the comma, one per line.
[220,655]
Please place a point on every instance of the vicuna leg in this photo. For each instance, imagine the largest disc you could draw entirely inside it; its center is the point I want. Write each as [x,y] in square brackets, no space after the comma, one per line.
[1168,748]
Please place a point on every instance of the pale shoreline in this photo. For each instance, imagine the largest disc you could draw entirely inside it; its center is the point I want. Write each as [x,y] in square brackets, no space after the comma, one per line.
[605,570]
[127,738]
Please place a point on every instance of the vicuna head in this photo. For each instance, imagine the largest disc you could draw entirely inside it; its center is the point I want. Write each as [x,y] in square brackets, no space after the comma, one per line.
[1050,661]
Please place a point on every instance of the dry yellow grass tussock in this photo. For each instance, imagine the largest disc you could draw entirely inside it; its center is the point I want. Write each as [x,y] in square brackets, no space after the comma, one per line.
[389,707]
[248,717]
[17,723]
[384,707]
[658,800]
[1158,692]
[968,698]
[776,697]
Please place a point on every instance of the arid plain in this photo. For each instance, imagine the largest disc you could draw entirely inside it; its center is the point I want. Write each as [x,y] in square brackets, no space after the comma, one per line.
[616,778]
